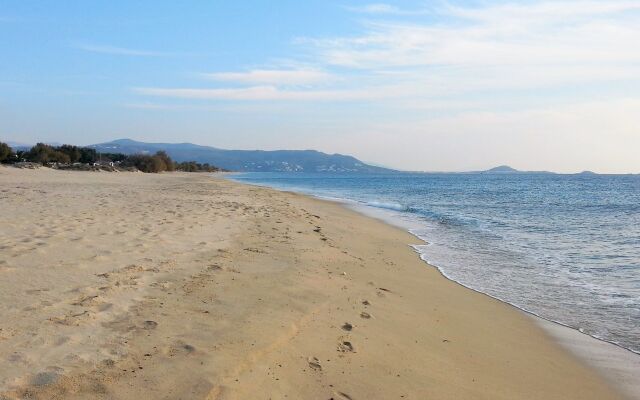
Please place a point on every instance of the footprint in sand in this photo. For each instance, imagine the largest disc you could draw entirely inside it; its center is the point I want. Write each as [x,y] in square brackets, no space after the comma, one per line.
[345,347]
[314,364]
[365,315]
[72,319]
[347,327]
[85,300]
[150,325]
[179,348]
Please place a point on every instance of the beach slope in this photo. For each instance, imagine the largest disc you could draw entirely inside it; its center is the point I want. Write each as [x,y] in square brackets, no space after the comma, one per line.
[184,286]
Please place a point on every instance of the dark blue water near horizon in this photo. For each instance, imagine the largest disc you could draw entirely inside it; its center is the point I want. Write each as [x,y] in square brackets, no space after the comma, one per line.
[564,247]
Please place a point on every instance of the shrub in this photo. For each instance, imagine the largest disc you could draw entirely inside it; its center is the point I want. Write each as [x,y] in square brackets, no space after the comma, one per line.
[158,162]
[192,166]
[6,152]
[43,153]
[168,162]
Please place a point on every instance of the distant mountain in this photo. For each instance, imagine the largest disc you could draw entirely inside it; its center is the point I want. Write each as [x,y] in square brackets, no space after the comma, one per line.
[25,146]
[502,169]
[505,169]
[246,160]
[19,146]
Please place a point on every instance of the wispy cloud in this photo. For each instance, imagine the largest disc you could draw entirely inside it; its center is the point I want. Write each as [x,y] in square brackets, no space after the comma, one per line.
[497,49]
[543,10]
[383,8]
[259,93]
[153,106]
[507,46]
[120,51]
[273,76]
[523,35]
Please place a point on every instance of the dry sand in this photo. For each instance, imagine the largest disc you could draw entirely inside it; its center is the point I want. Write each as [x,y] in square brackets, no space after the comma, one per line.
[180,286]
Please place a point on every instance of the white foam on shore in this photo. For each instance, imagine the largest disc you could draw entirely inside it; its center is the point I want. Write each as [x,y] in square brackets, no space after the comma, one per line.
[619,366]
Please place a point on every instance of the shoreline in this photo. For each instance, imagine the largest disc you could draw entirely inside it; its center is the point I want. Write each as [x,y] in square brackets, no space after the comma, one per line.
[618,364]
[177,285]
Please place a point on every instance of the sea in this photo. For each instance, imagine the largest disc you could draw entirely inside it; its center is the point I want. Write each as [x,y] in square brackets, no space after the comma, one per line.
[563,247]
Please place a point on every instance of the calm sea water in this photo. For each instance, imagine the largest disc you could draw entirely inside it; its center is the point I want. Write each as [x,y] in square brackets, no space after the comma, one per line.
[564,247]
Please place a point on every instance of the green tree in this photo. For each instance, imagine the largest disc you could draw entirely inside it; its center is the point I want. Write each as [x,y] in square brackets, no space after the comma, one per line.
[146,163]
[192,166]
[43,153]
[88,155]
[72,151]
[6,152]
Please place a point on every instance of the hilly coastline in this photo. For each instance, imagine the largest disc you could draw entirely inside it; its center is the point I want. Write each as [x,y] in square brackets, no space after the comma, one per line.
[246,160]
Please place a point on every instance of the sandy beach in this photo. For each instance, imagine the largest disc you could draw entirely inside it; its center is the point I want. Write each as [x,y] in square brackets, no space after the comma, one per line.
[187,286]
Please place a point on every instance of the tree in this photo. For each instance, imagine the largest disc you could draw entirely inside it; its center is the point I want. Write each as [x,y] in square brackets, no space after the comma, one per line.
[72,151]
[158,162]
[43,153]
[6,152]
[113,156]
[88,155]
[192,166]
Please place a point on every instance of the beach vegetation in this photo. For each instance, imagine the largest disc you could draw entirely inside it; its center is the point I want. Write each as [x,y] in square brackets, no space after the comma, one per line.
[158,162]
[192,166]
[44,153]
[6,153]
[69,156]
[73,152]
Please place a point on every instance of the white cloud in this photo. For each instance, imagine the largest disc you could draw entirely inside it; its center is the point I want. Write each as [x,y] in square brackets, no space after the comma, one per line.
[274,76]
[563,11]
[383,8]
[152,106]
[121,51]
[375,8]
[523,36]
[259,93]
[505,47]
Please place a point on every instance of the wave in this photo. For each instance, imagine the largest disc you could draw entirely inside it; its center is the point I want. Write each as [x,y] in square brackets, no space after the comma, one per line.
[423,257]
[387,206]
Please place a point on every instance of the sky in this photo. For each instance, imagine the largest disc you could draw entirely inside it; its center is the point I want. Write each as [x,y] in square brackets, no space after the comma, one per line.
[415,85]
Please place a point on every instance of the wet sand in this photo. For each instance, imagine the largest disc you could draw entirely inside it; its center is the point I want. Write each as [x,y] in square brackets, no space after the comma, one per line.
[181,286]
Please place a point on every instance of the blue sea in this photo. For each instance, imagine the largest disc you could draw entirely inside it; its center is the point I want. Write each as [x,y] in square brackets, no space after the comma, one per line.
[563,247]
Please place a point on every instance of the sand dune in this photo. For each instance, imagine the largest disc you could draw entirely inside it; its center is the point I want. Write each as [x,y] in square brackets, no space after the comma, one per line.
[181,286]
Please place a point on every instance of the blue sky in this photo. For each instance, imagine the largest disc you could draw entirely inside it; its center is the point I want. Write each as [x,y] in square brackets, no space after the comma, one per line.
[420,85]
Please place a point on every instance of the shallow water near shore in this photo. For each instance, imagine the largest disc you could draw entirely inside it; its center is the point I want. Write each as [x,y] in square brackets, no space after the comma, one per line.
[564,247]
